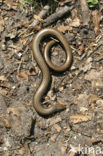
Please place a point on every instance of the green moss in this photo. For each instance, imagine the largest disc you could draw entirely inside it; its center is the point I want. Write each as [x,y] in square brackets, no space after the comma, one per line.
[92,3]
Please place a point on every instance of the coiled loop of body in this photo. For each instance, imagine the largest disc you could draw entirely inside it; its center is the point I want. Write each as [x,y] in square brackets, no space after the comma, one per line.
[44,62]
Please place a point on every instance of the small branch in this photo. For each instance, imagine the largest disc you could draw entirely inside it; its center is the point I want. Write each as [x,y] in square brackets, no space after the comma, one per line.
[42,14]
[85,12]
[54,17]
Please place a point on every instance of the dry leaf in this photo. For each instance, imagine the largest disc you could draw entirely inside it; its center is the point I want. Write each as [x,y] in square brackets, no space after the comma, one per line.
[97,83]
[53,138]
[23,40]
[92,97]
[38,18]
[24,74]
[2,78]
[4,84]
[100,102]
[37,27]
[96,20]
[11,3]
[96,78]
[78,118]
[63,28]
[94,75]
[81,49]
[53,121]
[75,22]
[99,130]
[57,127]
[3,91]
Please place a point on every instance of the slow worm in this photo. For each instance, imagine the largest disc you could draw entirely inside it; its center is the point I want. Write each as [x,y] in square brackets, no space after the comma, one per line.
[44,63]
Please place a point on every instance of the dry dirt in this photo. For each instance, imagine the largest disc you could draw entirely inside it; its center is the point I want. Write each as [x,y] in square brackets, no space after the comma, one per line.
[22,131]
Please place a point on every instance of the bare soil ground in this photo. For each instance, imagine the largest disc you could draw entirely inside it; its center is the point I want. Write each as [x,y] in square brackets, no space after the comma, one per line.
[22,131]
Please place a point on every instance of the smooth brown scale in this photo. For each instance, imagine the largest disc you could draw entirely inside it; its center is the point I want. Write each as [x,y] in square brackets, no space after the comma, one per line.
[44,68]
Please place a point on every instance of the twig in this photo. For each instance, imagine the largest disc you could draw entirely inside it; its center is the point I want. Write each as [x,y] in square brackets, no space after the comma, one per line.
[85,12]
[42,14]
[54,17]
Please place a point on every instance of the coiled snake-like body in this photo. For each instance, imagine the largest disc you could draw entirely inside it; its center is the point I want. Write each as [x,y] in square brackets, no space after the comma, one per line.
[43,65]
